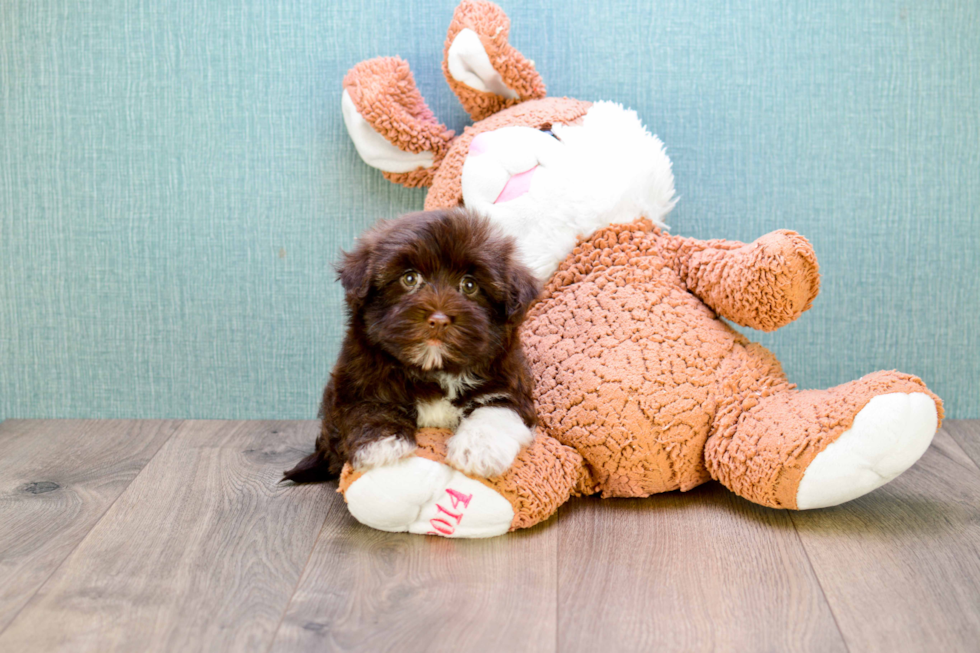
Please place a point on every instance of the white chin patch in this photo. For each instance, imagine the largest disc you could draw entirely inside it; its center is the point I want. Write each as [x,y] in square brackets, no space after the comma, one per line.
[469,64]
[607,170]
[429,357]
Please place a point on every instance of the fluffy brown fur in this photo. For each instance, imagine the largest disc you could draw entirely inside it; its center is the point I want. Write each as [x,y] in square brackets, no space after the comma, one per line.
[386,365]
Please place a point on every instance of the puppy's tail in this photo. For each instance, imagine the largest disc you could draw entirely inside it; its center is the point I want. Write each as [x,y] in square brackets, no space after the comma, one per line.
[315,467]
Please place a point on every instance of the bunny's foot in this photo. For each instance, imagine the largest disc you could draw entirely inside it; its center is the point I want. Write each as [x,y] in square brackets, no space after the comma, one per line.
[888,435]
[418,495]
[820,448]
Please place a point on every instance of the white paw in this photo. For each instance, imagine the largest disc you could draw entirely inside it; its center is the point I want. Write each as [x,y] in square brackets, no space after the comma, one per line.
[382,452]
[418,495]
[486,442]
[888,435]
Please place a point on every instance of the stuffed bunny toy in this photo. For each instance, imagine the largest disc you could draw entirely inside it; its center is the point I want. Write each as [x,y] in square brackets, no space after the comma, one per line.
[641,387]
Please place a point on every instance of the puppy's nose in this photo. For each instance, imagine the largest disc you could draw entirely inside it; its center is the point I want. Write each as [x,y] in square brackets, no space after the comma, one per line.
[439,321]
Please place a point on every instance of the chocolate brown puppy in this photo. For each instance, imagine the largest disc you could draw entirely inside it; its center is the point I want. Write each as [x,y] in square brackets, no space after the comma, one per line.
[434,303]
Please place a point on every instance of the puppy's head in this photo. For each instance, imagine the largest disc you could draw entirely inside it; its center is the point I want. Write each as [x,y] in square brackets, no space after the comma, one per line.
[438,290]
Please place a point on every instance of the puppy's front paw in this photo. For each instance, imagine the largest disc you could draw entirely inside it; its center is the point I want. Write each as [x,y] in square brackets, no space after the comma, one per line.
[486,442]
[382,452]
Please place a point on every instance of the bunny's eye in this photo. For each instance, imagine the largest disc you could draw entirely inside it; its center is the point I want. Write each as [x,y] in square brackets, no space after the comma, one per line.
[550,133]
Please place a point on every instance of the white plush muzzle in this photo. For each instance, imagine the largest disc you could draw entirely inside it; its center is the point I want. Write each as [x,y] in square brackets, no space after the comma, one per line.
[548,191]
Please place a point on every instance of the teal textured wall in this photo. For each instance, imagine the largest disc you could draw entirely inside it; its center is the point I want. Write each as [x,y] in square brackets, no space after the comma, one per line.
[175,180]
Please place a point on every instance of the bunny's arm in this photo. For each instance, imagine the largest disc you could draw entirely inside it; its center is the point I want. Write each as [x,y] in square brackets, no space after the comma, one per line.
[765,284]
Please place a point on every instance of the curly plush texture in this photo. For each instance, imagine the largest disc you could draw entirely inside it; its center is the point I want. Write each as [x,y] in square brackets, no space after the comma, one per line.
[542,478]
[613,328]
[766,437]
[636,373]
[493,27]
[384,92]
[777,276]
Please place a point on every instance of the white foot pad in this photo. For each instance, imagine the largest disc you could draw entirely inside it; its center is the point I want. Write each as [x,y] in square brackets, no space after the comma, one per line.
[421,496]
[888,435]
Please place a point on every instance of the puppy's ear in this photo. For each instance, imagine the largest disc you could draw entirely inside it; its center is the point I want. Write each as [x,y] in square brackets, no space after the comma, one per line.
[522,289]
[355,273]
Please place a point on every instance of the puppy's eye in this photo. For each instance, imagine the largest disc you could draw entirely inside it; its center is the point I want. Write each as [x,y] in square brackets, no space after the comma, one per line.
[468,286]
[550,133]
[411,279]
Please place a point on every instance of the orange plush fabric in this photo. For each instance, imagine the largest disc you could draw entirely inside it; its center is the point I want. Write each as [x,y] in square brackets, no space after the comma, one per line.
[384,93]
[635,371]
[776,277]
[542,478]
[493,27]
[765,439]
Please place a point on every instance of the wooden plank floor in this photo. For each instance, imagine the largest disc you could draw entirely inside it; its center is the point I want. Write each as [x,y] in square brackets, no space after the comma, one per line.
[174,536]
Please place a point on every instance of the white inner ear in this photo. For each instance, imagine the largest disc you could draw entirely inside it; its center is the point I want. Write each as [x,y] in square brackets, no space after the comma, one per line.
[375,148]
[469,64]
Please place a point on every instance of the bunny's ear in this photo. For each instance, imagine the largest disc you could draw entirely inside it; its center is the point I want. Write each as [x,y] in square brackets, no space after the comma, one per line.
[482,68]
[392,127]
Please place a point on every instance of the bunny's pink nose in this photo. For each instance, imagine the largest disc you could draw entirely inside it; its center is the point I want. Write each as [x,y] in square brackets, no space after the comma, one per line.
[516,186]
[480,144]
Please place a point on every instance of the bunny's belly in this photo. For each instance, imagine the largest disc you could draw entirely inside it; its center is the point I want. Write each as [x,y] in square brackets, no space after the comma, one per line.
[629,369]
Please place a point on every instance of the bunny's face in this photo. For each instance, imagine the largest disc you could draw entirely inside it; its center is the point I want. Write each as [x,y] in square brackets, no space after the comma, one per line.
[547,187]
[547,170]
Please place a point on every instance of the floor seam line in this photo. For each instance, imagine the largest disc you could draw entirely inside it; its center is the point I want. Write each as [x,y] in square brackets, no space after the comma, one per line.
[60,564]
[816,576]
[558,539]
[299,580]
[976,463]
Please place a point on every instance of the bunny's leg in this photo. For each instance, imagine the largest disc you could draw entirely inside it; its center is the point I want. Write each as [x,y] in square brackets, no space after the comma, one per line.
[422,494]
[784,448]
